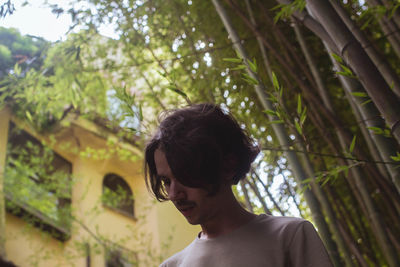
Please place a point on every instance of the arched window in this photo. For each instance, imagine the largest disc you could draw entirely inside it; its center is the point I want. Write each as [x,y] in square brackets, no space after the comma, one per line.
[117,194]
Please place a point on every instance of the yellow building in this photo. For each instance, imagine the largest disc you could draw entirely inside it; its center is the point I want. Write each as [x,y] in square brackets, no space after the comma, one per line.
[76,197]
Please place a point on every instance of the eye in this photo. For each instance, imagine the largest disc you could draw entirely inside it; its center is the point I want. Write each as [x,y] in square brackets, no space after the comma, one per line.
[165,181]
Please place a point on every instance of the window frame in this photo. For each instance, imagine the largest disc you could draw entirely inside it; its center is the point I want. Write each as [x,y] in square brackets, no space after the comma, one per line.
[125,186]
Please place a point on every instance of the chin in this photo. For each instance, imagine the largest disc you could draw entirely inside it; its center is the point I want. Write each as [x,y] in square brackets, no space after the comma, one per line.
[192,221]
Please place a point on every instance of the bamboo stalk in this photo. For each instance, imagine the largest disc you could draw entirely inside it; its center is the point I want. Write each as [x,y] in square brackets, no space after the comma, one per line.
[389,28]
[371,116]
[281,134]
[382,65]
[356,57]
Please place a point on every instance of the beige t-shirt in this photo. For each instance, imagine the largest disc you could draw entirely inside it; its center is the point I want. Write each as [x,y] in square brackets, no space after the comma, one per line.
[266,241]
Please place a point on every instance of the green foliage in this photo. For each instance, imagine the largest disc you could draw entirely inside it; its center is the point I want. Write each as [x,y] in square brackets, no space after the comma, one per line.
[331,175]
[31,180]
[15,48]
[397,157]
[379,131]
[117,198]
[353,143]
[286,10]
[43,95]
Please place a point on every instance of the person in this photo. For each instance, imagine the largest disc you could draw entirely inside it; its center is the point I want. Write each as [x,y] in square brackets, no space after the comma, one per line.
[194,158]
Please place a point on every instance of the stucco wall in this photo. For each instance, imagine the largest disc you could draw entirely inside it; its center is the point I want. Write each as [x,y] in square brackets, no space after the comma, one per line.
[29,246]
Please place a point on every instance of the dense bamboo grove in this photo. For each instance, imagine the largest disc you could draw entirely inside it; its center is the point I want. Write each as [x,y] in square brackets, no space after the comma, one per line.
[316,83]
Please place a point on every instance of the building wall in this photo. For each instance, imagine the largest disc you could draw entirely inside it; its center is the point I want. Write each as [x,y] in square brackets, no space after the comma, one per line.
[154,224]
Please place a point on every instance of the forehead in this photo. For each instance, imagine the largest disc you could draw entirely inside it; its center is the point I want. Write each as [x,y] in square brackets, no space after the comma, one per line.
[161,162]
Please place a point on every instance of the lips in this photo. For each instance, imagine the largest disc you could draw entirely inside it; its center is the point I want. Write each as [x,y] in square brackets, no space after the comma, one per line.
[186,207]
[186,210]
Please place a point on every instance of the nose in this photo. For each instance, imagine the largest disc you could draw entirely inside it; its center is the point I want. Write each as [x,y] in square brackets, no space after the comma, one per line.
[176,191]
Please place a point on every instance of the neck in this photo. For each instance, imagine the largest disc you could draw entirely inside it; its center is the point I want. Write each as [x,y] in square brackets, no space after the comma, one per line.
[231,216]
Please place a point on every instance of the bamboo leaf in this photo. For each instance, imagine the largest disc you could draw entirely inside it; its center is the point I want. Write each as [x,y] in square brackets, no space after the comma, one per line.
[176,90]
[249,79]
[233,60]
[353,143]
[28,115]
[346,69]
[275,81]
[359,94]
[337,58]
[272,98]
[376,130]
[162,74]
[366,102]
[276,122]
[303,116]
[239,67]
[396,158]
[298,127]
[17,69]
[270,112]
[252,65]
[394,9]
[346,72]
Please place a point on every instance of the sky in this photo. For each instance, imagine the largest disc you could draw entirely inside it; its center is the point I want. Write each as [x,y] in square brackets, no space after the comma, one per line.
[35,19]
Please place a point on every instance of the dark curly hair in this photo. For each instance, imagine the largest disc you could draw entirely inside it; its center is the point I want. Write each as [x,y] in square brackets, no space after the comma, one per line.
[199,142]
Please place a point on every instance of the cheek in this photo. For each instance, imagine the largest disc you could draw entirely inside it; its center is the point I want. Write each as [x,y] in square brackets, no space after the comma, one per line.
[196,194]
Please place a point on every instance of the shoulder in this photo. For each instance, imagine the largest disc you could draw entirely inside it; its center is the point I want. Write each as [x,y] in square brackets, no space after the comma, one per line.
[281,223]
[176,259]
[281,229]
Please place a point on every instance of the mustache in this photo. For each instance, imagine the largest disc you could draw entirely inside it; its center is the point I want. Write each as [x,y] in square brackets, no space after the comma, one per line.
[184,203]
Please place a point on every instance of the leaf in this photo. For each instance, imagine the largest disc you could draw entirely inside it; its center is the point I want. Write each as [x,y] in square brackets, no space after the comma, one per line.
[238,54]
[346,72]
[359,94]
[270,112]
[275,122]
[239,67]
[303,116]
[233,60]
[252,65]
[249,79]
[176,90]
[275,81]
[366,102]
[17,69]
[162,74]
[28,115]
[353,143]
[396,158]
[394,9]
[376,130]
[298,127]
[337,58]
[272,98]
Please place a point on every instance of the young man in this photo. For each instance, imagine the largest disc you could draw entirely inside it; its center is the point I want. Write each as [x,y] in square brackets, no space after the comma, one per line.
[193,160]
